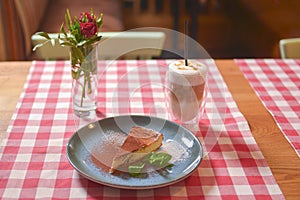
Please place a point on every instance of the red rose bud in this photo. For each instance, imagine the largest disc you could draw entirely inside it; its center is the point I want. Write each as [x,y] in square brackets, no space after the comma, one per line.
[86,17]
[88,29]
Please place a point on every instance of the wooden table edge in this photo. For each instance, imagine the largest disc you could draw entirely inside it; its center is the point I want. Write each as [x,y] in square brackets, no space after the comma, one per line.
[280,156]
[11,73]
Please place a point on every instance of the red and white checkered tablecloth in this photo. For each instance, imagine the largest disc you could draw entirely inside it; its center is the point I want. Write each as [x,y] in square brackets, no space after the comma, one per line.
[33,153]
[277,83]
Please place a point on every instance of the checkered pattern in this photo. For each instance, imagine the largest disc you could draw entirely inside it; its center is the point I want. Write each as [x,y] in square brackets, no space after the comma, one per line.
[33,154]
[277,83]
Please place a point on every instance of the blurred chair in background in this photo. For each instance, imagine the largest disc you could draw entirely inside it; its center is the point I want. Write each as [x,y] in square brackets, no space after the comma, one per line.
[289,48]
[113,45]
[20,19]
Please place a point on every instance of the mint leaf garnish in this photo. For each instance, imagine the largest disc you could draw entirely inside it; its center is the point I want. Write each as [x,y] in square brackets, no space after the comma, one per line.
[136,169]
[159,161]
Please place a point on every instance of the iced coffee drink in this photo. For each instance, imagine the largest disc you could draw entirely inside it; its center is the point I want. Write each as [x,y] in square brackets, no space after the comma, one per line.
[185,90]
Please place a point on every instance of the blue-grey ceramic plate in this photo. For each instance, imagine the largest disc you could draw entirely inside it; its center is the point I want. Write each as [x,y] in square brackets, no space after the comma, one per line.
[185,148]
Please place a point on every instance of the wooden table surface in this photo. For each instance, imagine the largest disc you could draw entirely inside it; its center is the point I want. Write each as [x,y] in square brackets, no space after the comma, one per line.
[282,159]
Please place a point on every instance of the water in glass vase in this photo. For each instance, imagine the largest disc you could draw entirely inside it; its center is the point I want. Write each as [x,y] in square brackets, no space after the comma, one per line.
[84,74]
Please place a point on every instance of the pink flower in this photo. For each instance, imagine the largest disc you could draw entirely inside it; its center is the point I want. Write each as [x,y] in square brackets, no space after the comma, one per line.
[88,29]
[88,24]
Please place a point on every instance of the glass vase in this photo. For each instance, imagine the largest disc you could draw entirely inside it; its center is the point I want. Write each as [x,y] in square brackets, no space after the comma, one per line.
[84,79]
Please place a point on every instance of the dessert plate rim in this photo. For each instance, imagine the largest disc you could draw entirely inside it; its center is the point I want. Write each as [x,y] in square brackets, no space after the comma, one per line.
[81,143]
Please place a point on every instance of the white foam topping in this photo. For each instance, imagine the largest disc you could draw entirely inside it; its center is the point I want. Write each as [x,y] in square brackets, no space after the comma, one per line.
[193,74]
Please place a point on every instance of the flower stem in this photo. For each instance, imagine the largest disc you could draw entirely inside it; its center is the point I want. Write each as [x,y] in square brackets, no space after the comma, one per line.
[83,90]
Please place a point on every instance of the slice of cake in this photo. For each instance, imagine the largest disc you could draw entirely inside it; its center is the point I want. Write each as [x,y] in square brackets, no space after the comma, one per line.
[139,142]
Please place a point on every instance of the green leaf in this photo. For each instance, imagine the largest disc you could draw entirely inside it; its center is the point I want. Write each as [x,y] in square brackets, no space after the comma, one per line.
[75,30]
[43,34]
[39,45]
[93,40]
[100,20]
[76,74]
[136,169]
[62,30]
[64,43]
[68,18]
[160,160]
[77,53]
[82,43]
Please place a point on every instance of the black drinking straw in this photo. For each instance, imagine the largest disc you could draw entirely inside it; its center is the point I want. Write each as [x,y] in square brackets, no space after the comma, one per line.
[186,45]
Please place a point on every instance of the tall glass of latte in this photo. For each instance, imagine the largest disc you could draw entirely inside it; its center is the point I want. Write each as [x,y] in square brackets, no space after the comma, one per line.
[185,91]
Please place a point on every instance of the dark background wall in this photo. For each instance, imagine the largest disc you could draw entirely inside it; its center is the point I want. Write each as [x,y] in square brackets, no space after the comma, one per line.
[225,28]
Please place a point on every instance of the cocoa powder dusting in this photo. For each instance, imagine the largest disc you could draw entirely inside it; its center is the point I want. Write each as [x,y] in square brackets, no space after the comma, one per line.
[103,154]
